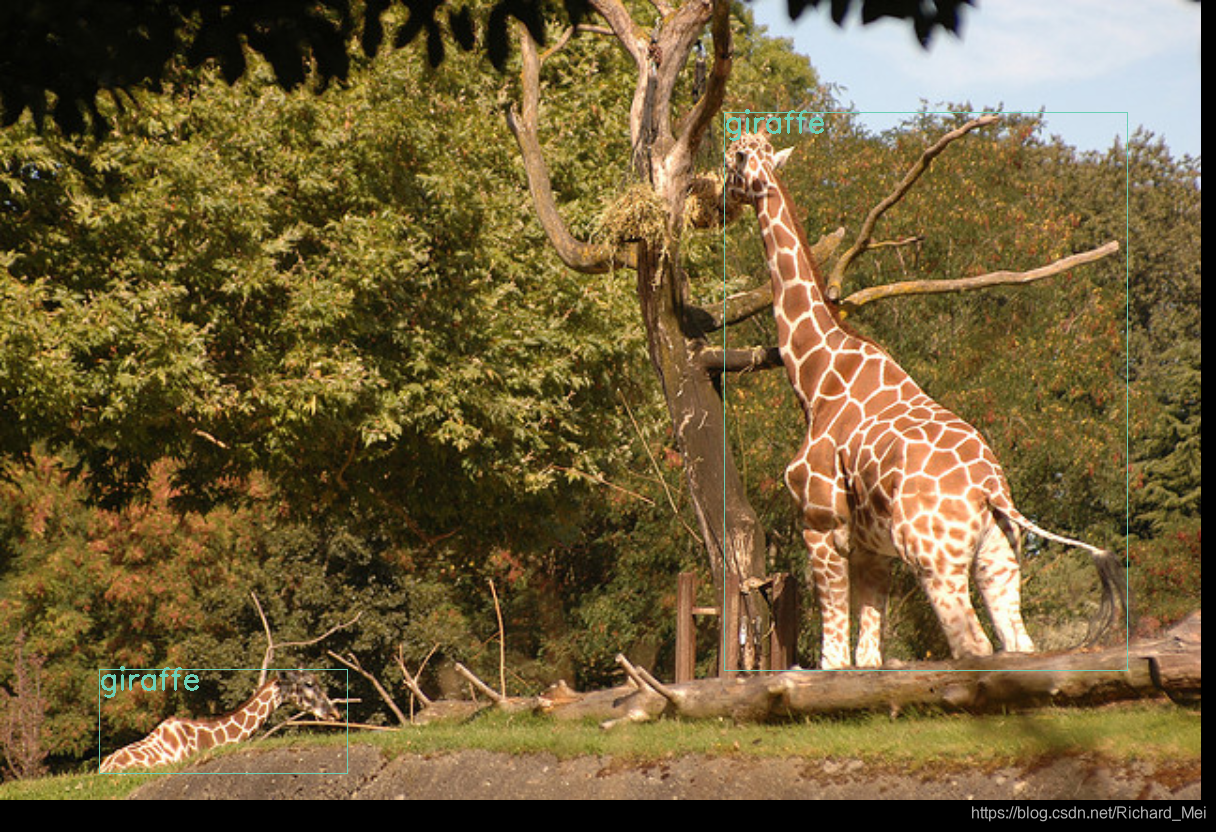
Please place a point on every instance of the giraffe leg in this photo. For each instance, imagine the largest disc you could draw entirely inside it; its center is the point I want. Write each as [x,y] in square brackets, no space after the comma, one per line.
[831,575]
[872,579]
[943,572]
[998,576]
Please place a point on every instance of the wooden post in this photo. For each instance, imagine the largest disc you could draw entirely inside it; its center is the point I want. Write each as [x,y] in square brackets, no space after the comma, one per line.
[686,630]
[783,650]
[686,627]
[783,639]
[729,631]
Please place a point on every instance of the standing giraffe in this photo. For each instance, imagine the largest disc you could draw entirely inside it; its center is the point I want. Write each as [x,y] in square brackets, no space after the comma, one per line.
[885,471]
[176,739]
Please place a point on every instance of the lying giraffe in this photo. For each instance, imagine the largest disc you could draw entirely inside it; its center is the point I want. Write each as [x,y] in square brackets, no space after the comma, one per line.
[885,471]
[176,739]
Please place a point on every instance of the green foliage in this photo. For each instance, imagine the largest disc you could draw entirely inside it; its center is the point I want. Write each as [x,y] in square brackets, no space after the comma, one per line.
[1161,201]
[149,585]
[342,301]
[1165,576]
[1164,274]
[310,286]
[99,588]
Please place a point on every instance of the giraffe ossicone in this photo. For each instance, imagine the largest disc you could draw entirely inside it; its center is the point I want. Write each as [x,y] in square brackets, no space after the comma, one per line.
[885,472]
[175,739]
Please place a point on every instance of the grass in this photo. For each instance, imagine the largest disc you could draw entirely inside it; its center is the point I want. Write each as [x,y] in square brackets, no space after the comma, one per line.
[1143,731]
[1153,732]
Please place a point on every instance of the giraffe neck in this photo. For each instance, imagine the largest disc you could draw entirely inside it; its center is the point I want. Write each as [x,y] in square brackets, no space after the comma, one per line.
[244,721]
[807,328]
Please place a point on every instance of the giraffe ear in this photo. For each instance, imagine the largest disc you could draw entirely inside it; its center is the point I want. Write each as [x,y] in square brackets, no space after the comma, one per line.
[780,157]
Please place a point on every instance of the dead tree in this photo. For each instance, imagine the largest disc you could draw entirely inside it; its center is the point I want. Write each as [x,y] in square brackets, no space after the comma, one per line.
[664,147]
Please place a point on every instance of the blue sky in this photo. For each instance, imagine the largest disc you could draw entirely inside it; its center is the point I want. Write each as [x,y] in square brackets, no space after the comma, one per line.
[1138,60]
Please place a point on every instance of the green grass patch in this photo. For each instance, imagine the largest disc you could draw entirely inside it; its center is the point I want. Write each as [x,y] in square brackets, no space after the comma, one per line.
[75,787]
[1142,731]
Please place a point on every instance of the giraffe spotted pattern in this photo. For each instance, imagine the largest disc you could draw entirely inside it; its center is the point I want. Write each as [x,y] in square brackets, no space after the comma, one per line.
[885,471]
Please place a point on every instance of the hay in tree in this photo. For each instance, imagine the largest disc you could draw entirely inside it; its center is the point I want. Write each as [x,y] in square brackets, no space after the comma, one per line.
[636,215]
[704,206]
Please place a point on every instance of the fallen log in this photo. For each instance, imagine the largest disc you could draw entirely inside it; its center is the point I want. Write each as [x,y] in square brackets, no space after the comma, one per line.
[1170,666]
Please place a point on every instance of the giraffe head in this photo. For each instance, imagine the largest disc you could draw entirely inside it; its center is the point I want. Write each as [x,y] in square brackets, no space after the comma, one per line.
[301,689]
[751,164]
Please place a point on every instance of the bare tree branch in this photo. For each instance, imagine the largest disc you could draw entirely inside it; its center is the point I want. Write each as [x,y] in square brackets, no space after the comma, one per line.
[693,126]
[633,38]
[679,32]
[749,303]
[866,234]
[410,681]
[599,479]
[983,281]
[739,307]
[906,241]
[569,34]
[575,253]
[765,358]
[641,677]
[658,474]
[502,642]
[268,656]
[352,662]
[740,360]
[494,695]
[559,45]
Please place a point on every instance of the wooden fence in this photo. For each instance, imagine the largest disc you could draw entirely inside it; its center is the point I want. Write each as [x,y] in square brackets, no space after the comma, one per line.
[778,610]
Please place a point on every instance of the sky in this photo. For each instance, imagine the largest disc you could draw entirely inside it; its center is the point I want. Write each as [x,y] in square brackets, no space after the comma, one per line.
[1096,66]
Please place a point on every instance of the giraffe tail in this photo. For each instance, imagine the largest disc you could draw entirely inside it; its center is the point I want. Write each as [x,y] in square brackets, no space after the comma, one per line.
[1110,573]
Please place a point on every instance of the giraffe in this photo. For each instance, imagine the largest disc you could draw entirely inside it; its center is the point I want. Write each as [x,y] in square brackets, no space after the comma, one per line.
[885,472]
[176,739]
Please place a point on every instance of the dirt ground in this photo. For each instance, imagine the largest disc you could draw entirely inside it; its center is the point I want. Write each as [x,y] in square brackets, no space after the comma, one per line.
[470,775]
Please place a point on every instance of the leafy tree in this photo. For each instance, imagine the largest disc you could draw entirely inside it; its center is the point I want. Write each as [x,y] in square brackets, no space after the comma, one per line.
[98,589]
[327,297]
[148,585]
[1162,196]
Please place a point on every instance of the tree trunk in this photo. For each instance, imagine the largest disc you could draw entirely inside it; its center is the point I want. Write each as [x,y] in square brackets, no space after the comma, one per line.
[663,154]
[730,529]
